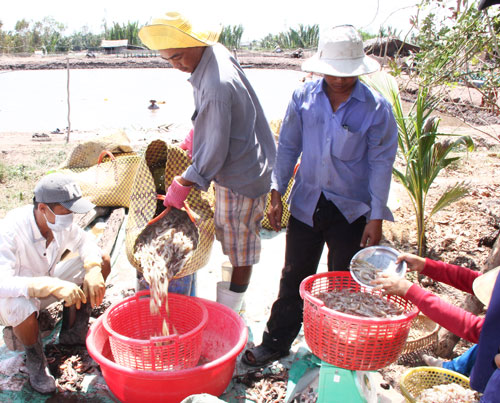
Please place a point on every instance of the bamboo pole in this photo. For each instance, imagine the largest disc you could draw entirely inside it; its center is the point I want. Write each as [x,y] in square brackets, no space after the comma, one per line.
[493,37]
[69,106]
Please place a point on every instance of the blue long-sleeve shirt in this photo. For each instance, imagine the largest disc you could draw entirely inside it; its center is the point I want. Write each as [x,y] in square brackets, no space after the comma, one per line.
[347,154]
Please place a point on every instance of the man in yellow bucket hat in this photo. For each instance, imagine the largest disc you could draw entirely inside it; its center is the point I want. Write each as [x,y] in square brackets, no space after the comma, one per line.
[232,143]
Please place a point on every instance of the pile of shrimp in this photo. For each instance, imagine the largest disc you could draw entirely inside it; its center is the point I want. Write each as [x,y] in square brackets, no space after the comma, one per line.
[162,250]
[364,271]
[365,275]
[359,304]
[450,393]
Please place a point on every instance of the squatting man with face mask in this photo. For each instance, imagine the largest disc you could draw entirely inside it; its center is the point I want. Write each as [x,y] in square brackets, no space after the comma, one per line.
[33,239]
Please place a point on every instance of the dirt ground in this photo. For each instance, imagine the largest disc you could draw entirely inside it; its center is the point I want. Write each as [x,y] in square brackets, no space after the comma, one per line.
[462,234]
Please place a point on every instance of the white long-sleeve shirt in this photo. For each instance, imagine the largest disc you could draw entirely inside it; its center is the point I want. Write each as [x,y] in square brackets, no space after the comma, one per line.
[23,251]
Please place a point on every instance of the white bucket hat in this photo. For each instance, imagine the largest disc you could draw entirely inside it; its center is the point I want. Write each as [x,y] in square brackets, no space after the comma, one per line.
[340,53]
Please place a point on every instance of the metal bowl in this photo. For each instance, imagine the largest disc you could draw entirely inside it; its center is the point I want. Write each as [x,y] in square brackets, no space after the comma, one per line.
[368,262]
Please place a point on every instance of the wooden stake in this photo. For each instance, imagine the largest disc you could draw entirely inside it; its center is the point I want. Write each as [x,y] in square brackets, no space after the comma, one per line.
[69,109]
[113,225]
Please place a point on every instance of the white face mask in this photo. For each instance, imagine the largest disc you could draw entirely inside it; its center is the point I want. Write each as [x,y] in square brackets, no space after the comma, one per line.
[63,222]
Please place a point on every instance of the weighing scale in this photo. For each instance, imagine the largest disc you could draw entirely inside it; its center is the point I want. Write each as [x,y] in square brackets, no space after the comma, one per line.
[345,386]
[334,384]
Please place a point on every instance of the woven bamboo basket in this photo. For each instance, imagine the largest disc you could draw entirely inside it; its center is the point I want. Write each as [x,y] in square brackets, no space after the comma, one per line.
[423,335]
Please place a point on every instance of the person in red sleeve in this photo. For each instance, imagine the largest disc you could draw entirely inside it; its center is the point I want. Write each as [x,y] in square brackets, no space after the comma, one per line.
[457,320]
[485,378]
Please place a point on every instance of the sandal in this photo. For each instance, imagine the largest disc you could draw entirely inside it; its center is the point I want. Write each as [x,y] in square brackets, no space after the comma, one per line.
[261,355]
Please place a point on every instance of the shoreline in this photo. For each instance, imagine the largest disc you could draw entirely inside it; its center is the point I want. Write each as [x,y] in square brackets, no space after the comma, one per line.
[260,60]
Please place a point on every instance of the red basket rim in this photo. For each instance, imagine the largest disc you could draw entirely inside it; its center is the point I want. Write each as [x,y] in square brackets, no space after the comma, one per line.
[176,338]
[306,295]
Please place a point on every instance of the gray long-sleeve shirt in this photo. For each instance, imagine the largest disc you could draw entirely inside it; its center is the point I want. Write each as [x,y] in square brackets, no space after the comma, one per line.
[232,142]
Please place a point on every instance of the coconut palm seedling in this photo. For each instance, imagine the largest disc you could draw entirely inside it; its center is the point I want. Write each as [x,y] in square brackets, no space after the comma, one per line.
[424,151]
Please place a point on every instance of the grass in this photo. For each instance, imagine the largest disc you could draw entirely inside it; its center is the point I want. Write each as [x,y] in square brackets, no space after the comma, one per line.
[3,172]
[18,178]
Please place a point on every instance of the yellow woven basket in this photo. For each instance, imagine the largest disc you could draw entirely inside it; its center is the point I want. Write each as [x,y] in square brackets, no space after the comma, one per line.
[155,173]
[416,380]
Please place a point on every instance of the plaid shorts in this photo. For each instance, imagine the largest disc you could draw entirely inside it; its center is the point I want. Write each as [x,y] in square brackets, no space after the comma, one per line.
[237,225]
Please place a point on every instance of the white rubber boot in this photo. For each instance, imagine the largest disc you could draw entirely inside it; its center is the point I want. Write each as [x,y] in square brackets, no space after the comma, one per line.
[231,299]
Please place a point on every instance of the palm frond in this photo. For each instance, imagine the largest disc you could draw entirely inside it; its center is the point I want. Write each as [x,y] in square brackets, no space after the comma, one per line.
[449,196]
[386,85]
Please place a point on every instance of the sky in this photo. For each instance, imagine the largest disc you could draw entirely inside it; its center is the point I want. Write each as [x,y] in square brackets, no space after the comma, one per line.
[258,17]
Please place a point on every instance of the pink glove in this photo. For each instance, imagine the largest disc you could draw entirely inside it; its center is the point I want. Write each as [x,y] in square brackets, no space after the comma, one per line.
[187,143]
[176,195]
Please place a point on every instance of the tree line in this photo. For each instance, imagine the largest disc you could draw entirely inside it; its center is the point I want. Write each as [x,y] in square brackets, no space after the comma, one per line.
[48,36]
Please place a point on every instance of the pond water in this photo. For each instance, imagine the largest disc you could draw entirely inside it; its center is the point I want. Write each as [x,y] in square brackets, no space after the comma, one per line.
[36,100]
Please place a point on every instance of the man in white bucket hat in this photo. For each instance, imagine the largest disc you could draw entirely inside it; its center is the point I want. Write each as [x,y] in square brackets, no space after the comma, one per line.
[346,137]
[232,143]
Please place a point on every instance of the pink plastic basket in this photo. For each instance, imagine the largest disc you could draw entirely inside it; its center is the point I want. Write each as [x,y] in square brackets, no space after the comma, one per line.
[133,333]
[347,341]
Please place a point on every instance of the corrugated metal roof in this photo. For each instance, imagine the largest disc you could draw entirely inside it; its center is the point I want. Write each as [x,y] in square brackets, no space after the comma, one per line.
[114,44]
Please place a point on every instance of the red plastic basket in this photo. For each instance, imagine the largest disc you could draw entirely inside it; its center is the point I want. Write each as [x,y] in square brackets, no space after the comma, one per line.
[224,339]
[132,330]
[347,341]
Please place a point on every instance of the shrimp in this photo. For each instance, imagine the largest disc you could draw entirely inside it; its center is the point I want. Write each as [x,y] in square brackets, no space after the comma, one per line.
[359,304]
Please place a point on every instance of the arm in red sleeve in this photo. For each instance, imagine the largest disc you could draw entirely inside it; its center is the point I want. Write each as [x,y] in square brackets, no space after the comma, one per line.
[456,276]
[457,320]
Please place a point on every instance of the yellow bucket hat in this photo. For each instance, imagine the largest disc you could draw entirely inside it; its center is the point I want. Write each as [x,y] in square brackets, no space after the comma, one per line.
[483,285]
[173,31]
